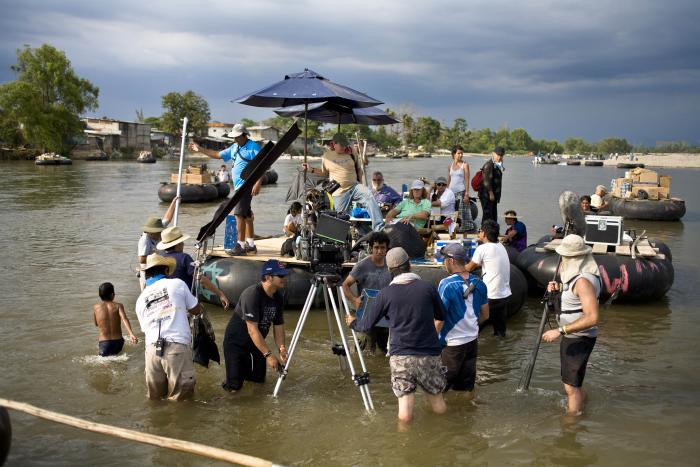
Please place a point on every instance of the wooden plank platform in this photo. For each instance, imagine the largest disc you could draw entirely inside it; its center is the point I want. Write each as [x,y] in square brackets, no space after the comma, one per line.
[600,248]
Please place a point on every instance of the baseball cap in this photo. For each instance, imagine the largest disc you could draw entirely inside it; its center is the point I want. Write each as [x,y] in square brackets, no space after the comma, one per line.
[396,257]
[499,150]
[455,251]
[272,267]
[441,180]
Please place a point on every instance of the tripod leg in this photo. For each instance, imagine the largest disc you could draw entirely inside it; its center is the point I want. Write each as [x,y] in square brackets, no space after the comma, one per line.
[361,357]
[330,325]
[295,337]
[364,391]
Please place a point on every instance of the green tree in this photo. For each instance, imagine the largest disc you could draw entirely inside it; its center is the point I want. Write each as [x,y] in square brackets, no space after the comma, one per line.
[577,146]
[611,145]
[520,141]
[46,100]
[248,122]
[178,106]
[427,132]
[155,122]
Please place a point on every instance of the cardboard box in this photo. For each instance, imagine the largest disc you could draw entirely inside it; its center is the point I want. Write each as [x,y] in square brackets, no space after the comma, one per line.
[649,177]
[651,191]
[192,178]
[664,192]
[665,181]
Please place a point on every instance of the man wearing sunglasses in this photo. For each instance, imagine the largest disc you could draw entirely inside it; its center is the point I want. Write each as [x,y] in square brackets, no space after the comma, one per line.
[443,198]
[259,308]
[385,196]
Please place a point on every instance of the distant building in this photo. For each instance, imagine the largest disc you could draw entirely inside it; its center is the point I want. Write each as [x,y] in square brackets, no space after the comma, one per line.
[262,132]
[113,135]
[218,129]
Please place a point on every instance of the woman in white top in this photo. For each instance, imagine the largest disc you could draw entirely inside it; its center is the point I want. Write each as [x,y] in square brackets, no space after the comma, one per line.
[458,181]
[292,222]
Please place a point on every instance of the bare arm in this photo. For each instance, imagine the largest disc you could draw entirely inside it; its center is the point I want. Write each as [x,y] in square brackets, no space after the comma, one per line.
[357,301]
[207,283]
[391,215]
[94,317]
[438,325]
[127,324]
[214,154]
[589,307]
[260,343]
[484,313]
[471,266]
[467,181]
[167,217]
[278,331]
[197,309]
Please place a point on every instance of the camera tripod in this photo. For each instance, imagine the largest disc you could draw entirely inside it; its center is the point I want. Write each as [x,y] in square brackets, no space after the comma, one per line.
[327,281]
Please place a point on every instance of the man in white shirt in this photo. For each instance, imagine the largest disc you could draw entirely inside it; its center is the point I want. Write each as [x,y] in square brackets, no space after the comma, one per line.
[162,310]
[492,257]
[443,199]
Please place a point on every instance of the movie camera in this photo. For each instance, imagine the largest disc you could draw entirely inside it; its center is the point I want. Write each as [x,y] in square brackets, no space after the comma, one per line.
[325,234]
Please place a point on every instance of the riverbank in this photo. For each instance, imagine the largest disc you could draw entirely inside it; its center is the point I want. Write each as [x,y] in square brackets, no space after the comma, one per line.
[668,160]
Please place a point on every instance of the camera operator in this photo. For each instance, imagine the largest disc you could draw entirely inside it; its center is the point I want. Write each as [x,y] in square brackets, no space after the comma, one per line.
[259,308]
[371,273]
[162,310]
[340,165]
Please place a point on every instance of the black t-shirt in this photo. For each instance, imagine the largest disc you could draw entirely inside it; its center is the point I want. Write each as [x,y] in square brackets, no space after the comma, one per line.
[256,306]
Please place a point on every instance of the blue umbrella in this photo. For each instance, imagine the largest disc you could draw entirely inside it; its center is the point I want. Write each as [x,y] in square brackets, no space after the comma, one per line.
[328,112]
[305,88]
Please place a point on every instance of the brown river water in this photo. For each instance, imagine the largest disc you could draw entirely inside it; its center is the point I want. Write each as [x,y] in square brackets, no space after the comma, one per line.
[66,229]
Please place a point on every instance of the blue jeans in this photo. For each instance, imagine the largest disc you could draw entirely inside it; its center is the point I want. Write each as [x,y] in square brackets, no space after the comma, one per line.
[362,195]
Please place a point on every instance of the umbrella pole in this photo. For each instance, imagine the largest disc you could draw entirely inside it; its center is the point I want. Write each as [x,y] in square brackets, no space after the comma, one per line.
[306,136]
[179,169]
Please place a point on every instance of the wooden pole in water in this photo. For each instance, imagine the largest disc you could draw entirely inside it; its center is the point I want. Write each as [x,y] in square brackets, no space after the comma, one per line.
[160,441]
[179,170]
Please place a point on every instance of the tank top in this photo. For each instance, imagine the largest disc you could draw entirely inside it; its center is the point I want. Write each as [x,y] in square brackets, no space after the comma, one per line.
[569,302]
[457,179]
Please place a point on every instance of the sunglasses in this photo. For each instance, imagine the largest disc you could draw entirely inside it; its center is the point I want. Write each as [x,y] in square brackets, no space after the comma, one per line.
[441,184]
[279,275]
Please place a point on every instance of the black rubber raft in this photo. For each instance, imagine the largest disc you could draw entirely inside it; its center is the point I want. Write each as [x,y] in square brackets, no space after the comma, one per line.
[651,210]
[630,165]
[194,193]
[640,279]
[234,274]
[593,163]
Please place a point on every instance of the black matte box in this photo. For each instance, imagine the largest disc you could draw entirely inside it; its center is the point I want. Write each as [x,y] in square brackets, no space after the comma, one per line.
[604,229]
[332,228]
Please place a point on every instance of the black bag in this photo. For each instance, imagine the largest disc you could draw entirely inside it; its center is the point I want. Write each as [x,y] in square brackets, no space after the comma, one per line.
[204,347]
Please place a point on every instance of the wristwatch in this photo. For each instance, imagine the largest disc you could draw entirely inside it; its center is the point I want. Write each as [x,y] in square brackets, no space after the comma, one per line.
[267,354]
[561,331]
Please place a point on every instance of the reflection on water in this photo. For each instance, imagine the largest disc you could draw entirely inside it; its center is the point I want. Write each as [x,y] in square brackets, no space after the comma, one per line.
[66,229]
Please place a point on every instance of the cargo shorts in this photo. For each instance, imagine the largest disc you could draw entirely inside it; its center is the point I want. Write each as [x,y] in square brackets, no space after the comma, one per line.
[410,371]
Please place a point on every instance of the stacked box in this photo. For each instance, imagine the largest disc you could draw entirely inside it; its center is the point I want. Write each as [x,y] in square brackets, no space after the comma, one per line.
[192,178]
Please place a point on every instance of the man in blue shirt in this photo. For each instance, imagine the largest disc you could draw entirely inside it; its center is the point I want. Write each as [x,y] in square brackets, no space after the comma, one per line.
[466,303]
[385,196]
[241,153]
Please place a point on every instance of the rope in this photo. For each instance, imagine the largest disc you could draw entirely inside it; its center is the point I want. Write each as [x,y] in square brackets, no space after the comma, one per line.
[160,441]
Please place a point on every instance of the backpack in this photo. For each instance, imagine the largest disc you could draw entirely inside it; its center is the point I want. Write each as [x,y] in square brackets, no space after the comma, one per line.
[478,180]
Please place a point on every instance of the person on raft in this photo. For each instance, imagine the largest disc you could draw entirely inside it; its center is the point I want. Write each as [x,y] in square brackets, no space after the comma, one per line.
[241,153]
[151,236]
[580,288]
[340,165]
[414,210]
[516,233]
[108,316]
[598,202]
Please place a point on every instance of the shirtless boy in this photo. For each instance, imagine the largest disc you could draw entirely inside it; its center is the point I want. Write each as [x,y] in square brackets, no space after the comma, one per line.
[107,315]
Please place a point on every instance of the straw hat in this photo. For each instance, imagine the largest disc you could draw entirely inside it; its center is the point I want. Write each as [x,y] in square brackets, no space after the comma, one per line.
[153,225]
[171,237]
[511,215]
[155,259]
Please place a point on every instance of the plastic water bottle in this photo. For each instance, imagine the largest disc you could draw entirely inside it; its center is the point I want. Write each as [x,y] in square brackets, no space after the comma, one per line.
[231,233]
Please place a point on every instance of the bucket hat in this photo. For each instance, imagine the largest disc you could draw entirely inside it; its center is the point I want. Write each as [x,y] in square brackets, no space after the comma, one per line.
[576,258]
[153,225]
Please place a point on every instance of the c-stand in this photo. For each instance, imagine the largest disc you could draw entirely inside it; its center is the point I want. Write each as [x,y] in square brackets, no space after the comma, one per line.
[327,281]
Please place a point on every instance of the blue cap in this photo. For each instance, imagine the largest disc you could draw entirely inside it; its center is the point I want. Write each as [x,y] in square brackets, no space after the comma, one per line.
[272,267]
[455,251]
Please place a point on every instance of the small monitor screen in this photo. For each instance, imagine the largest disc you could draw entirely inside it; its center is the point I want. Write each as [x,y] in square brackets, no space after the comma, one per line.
[332,228]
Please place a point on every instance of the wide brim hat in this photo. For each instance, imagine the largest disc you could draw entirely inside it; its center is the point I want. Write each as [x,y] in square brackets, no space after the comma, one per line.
[153,225]
[512,216]
[573,245]
[171,237]
[155,259]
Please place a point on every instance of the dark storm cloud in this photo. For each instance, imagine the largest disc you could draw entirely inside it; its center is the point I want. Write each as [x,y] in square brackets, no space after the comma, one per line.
[552,67]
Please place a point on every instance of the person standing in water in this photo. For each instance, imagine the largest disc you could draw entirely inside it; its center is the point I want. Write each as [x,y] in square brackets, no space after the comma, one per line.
[108,316]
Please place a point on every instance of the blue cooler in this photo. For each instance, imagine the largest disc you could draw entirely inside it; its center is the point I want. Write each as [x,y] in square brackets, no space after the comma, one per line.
[438,245]
[470,244]
[231,233]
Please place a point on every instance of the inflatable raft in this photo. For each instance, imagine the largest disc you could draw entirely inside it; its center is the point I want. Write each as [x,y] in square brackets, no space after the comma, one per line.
[630,165]
[233,274]
[647,276]
[194,192]
[573,162]
[5,434]
[52,158]
[593,163]
[646,209]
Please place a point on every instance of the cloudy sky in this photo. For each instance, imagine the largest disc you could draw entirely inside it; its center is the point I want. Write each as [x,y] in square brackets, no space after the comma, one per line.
[558,68]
